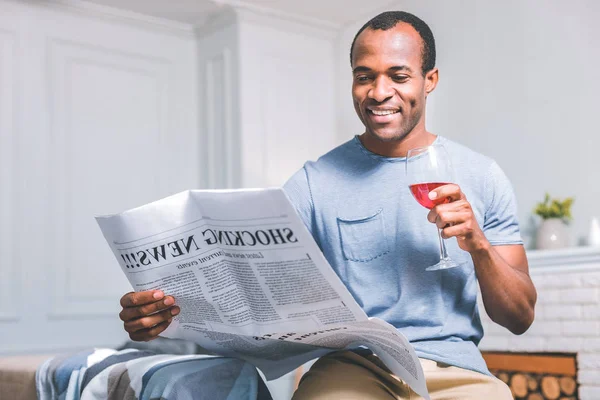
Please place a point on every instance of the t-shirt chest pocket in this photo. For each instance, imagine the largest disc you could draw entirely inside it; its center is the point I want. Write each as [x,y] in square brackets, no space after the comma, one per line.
[363,238]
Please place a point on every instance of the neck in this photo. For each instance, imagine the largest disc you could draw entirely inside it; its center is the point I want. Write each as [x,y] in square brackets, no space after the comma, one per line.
[397,148]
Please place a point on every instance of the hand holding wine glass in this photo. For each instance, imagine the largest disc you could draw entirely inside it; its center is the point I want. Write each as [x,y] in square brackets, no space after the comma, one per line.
[428,168]
[431,180]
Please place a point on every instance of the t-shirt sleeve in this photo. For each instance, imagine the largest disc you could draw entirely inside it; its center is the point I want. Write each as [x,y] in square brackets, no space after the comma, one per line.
[297,190]
[501,225]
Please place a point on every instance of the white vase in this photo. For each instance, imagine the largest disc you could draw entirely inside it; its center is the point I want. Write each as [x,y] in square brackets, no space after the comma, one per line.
[593,238]
[553,233]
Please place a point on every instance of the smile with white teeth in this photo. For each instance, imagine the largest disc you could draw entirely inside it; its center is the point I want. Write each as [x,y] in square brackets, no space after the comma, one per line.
[384,112]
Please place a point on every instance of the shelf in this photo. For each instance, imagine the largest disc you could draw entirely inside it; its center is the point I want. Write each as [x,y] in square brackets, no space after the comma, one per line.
[568,258]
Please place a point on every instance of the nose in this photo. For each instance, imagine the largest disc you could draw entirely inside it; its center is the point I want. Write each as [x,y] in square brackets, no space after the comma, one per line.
[381,90]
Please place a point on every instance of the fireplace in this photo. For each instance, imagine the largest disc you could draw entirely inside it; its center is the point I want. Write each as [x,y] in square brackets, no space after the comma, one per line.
[561,350]
[536,376]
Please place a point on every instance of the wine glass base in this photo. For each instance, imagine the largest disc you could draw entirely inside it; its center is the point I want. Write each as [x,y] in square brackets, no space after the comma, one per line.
[443,264]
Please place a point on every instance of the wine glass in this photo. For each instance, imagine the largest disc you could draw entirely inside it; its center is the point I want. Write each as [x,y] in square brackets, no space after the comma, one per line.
[428,168]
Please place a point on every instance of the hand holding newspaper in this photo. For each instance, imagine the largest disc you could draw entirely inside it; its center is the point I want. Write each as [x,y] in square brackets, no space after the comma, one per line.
[250,281]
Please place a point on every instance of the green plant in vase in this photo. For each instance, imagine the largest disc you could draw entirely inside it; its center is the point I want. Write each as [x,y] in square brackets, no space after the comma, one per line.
[553,232]
[554,208]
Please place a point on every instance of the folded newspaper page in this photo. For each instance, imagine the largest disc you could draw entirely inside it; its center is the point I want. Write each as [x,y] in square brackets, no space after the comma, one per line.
[250,281]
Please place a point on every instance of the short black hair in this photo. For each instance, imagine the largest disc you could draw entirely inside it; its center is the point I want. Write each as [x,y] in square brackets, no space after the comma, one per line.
[390,19]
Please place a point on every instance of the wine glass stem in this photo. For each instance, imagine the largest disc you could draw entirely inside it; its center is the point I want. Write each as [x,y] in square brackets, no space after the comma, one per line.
[443,252]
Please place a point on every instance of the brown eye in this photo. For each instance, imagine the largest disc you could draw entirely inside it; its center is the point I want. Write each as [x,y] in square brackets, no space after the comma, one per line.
[400,78]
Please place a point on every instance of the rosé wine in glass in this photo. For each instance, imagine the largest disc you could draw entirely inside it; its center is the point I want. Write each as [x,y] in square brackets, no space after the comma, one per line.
[421,193]
[428,168]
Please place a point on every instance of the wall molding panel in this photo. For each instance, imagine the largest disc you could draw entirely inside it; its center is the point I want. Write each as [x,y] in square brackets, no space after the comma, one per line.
[219,120]
[115,15]
[103,110]
[69,65]
[98,114]
[286,22]
[9,277]
[219,111]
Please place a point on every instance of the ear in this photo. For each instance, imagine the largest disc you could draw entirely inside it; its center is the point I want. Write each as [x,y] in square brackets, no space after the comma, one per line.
[431,80]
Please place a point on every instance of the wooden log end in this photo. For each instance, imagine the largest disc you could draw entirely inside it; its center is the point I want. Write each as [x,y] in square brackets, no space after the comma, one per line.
[567,385]
[518,385]
[550,387]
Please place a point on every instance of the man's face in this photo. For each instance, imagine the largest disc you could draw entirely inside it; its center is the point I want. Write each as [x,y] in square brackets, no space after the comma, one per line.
[389,88]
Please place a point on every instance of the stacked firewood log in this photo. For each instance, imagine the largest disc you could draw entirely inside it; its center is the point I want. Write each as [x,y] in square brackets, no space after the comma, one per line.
[530,386]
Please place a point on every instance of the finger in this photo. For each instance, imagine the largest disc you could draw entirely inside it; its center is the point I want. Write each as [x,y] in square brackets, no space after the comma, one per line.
[453,207]
[149,321]
[130,313]
[455,231]
[450,218]
[450,191]
[134,299]
[147,335]
[432,215]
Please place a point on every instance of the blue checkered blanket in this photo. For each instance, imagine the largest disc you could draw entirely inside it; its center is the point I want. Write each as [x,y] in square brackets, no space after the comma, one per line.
[133,374]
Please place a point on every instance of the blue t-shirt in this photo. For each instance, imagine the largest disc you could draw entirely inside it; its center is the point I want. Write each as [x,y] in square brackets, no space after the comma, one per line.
[375,235]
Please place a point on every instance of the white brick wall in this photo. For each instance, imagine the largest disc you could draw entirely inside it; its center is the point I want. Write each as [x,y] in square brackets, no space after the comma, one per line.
[560,312]
[578,295]
[567,315]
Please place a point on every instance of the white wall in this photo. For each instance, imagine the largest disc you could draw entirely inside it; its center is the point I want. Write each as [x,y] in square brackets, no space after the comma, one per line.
[287,97]
[567,314]
[518,83]
[219,111]
[267,97]
[97,115]
[101,111]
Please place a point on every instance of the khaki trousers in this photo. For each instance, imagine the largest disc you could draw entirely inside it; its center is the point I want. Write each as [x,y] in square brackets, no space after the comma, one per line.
[346,375]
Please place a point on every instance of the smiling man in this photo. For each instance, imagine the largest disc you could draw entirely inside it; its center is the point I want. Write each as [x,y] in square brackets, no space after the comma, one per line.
[394,71]
[360,187]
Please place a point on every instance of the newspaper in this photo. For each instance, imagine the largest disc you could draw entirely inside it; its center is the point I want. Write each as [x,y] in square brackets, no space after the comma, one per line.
[250,281]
